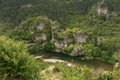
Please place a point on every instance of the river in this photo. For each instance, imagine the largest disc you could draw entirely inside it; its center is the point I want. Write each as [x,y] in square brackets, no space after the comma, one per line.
[99,66]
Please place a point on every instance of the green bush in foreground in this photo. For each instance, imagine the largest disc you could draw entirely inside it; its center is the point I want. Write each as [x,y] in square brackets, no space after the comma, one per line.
[105,76]
[75,73]
[116,74]
[85,73]
[15,62]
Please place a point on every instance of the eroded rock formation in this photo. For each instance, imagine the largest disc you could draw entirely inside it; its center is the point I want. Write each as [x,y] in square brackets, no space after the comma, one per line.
[47,34]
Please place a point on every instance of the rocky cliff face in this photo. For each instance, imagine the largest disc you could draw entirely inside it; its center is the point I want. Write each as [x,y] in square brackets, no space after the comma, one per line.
[102,10]
[41,30]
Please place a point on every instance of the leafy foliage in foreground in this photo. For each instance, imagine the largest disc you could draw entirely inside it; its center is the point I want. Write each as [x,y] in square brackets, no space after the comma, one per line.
[79,72]
[15,62]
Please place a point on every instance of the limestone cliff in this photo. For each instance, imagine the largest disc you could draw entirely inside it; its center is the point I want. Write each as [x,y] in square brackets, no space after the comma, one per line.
[45,34]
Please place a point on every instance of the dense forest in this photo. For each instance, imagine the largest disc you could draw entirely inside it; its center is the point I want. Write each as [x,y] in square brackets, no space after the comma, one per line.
[86,30]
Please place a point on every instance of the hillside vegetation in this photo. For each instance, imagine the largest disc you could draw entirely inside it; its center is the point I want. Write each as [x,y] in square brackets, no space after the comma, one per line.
[88,29]
[73,25]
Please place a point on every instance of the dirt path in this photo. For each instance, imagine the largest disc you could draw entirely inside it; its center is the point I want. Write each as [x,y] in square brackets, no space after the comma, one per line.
[55,60]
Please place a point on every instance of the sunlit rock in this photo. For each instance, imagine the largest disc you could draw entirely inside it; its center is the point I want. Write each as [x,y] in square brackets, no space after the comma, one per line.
[101,10]
[31,32]
[41,26]
[99,40]
[117,65]
[80,37]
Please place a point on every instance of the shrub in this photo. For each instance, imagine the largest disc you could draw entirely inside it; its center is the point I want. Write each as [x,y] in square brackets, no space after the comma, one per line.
[35,48]
[69,49]
[15,62]
[116,74]
[105,76]
[75,73]
[116,56]
[48,47]
[59,36]
[86,73]
[90,50]
[105,54]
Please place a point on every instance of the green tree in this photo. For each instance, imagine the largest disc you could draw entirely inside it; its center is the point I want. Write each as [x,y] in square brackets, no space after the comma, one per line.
[15,61]
[86,73]
[90,50]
